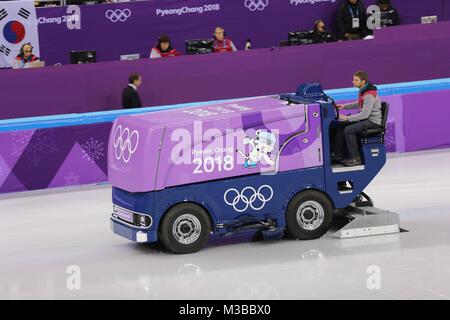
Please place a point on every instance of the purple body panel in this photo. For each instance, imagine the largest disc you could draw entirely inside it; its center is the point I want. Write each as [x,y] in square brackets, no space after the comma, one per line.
[133,153]
[164,149]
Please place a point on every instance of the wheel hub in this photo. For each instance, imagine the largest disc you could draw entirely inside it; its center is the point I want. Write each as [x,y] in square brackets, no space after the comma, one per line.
[186,229]
[310,215]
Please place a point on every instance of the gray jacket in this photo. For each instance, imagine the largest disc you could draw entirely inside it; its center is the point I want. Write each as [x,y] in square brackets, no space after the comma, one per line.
[371,110]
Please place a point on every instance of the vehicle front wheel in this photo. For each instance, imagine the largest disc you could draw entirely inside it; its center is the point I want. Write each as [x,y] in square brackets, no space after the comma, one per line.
[308,215]
[185,228]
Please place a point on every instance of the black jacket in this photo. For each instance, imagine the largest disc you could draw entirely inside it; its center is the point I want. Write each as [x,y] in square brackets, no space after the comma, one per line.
[344,19]
[130,98]
[390,17]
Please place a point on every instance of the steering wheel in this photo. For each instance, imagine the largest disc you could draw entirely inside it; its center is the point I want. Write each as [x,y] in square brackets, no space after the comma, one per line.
[336,110]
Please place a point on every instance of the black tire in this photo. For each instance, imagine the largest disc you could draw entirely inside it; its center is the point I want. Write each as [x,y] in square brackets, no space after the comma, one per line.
[303,206]
[187,219]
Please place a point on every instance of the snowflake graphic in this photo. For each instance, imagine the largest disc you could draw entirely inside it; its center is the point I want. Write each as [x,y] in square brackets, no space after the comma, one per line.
[20,141]
[72,180]
[34,145]
[92,150]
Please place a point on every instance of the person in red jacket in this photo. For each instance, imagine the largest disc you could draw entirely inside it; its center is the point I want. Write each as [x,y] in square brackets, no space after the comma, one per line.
[163,49]
[26,55]
[222,44]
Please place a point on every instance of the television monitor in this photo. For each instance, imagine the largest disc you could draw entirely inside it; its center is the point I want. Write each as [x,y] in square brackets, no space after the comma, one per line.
[300,37]
[199,46]
[87,56]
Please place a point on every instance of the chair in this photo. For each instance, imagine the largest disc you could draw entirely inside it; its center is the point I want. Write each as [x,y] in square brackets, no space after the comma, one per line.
[378,132]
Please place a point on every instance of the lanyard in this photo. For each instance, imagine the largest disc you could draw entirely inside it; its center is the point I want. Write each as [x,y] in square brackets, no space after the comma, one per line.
[353,13]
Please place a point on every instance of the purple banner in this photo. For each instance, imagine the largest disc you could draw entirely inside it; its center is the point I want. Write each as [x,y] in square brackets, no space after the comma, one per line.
[426,120]
[127,28]
[53,158]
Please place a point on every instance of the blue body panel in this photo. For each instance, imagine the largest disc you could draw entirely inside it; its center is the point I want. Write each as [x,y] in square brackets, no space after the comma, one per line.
[210,195]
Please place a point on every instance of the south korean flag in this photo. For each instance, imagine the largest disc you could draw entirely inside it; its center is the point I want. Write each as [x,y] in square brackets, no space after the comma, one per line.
[18,25]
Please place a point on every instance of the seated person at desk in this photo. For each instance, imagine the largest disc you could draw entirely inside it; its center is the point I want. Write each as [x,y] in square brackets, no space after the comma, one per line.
[163,48]
[389,15]
[222,44]
[320,34]
[368,117]
[25,56]
[352,20]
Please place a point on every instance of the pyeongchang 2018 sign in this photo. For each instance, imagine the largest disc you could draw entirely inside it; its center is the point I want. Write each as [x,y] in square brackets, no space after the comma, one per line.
[188,10]
[299,2]
[71,19]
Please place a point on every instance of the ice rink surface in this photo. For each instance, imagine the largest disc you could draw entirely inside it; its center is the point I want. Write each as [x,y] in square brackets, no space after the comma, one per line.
[44,236]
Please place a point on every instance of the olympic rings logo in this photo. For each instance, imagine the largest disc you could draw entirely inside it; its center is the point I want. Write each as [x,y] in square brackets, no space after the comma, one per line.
[248,196]
[254,5]
[118,15]
[125,143]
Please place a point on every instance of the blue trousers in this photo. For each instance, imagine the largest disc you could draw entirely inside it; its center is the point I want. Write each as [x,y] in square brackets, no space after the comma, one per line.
[346,138]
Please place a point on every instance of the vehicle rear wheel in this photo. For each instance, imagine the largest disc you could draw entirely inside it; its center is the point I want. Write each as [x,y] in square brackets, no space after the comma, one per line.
[185,228]
[308,215]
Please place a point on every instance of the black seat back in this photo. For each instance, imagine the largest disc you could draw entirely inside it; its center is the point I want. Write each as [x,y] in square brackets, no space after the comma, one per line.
[382,129]
[384,113]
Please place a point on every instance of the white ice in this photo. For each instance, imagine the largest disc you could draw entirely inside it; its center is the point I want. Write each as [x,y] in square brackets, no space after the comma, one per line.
[43,234]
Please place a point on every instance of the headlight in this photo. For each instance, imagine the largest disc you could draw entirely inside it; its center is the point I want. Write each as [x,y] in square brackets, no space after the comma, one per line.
[131,217]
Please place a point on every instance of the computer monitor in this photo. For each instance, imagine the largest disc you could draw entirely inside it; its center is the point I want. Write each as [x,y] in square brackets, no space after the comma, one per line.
[300,37]
[87,56]
[199,46]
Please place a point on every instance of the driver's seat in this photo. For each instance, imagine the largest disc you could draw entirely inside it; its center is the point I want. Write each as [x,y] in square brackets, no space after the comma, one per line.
[380,131]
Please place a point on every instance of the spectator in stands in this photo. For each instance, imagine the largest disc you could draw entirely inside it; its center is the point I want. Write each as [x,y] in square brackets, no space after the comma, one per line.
[130,96]
[25,56]
[163,48]
[222,44]
[352,20]
[320,34]
[389,15]
[368,117]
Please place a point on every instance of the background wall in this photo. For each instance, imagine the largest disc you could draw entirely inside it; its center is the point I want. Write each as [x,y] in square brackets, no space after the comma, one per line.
[265,22]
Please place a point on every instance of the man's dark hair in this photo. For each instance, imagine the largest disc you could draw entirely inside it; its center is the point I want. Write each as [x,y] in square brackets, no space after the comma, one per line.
[133,77]
[380,2]
[362,75]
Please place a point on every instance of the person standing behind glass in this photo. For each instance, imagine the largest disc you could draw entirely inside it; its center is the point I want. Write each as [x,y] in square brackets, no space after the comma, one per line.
[351,20]
[389,15]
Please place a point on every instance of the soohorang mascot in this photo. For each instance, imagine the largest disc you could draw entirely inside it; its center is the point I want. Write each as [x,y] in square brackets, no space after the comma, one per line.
[262,147]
